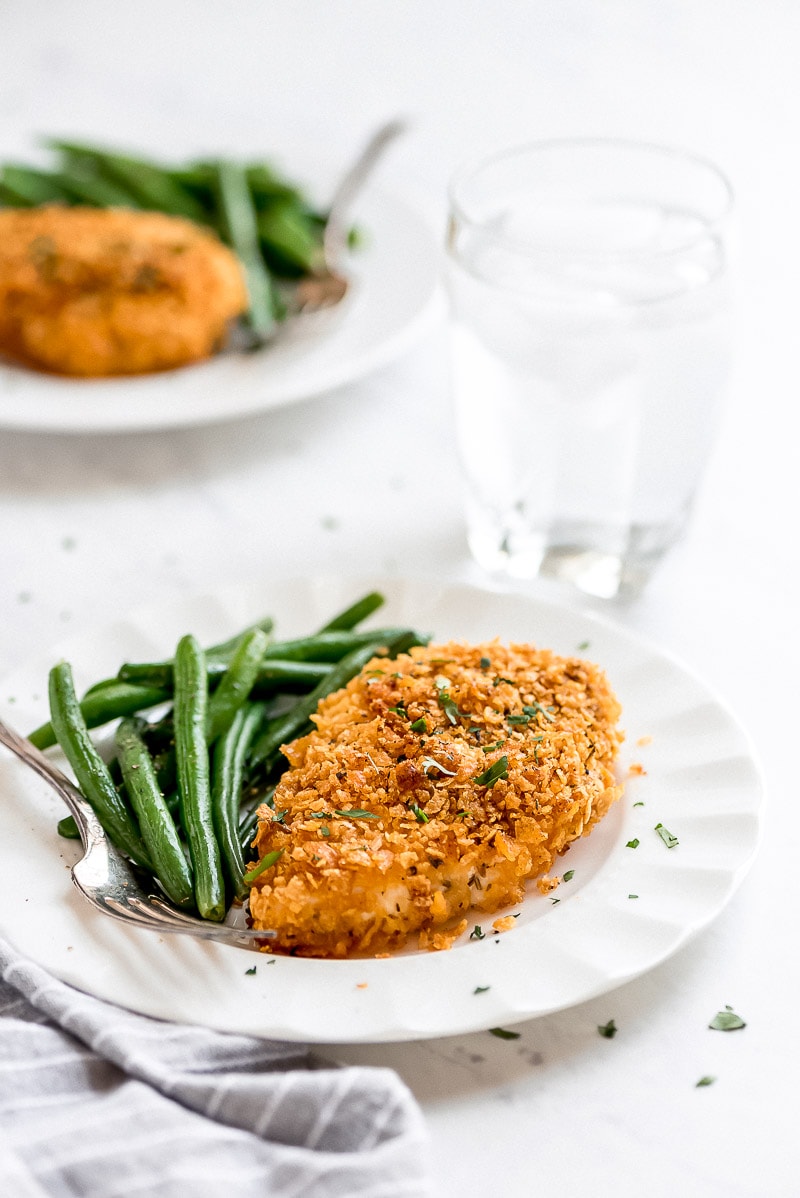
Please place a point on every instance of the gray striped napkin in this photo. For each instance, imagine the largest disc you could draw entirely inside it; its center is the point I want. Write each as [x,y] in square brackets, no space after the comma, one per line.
[97,1101]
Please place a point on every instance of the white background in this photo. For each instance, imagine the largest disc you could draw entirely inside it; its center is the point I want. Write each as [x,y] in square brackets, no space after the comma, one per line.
[365,479]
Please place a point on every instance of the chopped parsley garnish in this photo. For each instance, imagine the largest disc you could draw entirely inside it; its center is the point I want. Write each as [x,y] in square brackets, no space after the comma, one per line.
[250,972]
[555,900]
[496,681]
[609,1030]
[265,864]
[705,1081]
[357,813]
[669,840]
[583,646]
[503,1033]
[419,725]
[498,744]
[569,875]
[496,771]
[477,933]
[400,710]
[632,896]
[535,708]
[639,804]
[485,663]
[481,989]
[633,844]
[449,707]
[324,830]
[726,1021]
[419,813]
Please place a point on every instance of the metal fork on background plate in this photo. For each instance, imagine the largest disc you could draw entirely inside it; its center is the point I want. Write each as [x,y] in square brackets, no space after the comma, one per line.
[108,880]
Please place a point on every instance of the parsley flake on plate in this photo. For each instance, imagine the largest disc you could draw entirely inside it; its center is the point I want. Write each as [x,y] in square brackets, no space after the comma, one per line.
[608,1030]
[726,1021]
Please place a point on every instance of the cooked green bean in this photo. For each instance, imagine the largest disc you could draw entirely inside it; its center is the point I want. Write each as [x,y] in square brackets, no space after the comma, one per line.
[150,184]
[229,754]
[325,646]
[289,241]
[236,683]
[157,826]
[239,228]
[25,187]
[191,702]
[273,674]
[354,614]
[105,702]
[92,773]
[67,828]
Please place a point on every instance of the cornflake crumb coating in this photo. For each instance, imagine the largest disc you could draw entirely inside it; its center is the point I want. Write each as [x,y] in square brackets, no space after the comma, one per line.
[389,828]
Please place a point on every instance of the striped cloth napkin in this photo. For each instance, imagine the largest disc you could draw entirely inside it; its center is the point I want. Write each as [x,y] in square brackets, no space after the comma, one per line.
[97,1101]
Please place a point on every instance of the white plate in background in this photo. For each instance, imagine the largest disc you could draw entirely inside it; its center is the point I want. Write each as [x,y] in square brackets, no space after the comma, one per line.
[395,296]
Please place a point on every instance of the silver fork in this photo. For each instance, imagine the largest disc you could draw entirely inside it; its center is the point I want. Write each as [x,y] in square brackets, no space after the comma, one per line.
[108,880]
[327,286]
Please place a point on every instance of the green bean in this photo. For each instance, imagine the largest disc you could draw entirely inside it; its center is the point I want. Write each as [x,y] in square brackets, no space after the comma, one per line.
[157,826]
[354,614]
[25,187]
[84,188]
[67,828]
[191,701]
[238,226]
[236,683]
[266,185]
[325,646]
[105,702]
[91,772]
[284,728]
[149,183]
[285,232]
[224,649]
[273,674]
[229,754]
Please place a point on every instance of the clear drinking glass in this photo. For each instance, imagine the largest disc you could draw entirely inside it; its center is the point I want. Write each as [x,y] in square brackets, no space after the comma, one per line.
[590,339]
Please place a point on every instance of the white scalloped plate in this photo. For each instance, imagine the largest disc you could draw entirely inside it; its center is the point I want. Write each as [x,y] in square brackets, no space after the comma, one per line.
[700,781]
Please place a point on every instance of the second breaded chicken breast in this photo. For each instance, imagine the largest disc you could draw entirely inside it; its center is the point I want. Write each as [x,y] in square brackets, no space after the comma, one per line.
[435,783]
[97,292]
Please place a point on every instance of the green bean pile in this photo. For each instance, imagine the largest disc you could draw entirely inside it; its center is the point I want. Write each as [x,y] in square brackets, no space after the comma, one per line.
[267,220]
[180,795]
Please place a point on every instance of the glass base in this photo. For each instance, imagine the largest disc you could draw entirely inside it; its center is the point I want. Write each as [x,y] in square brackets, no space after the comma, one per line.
[600,560]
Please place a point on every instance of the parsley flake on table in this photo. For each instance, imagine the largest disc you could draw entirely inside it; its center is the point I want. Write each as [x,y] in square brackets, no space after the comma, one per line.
[568,876]
[481,989]
[706,1080]
[608,1030]
[477,933]
[726,1021]
[250,972]
[633,844]
[504,1034]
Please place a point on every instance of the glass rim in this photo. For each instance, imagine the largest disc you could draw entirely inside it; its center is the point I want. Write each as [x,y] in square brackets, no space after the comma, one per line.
[469,169]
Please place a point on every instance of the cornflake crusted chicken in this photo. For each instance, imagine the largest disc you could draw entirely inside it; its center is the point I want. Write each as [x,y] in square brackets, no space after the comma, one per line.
[433,784]
[87,291]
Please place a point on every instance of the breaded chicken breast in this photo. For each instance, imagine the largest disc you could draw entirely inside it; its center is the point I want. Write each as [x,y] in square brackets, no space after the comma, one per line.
[437,783]
[87,291]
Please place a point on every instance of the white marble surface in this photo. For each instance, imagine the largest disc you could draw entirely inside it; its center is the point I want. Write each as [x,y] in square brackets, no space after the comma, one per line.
[365,478]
